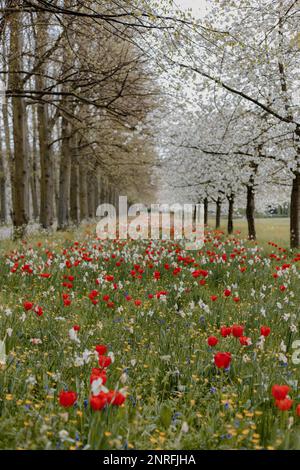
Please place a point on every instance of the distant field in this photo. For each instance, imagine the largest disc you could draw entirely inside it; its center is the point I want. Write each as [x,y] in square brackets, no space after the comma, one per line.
[269,229]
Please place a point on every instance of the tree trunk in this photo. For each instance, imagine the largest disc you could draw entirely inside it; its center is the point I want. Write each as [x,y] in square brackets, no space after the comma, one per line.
[3,213]
[103,195]
[111,193]
[295,212]
[27,151]
[74,190]
[34,169]
[250,211]
[91,195]
[230,214]
[218,213]
[56,170]
[8,151]
[97,195]
[83,192]
[205,202]
[20,164]
[63,216]
[46,181]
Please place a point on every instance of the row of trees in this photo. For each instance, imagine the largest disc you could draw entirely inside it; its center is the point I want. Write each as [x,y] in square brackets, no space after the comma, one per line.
[234,127]
[84,119]
[79,92]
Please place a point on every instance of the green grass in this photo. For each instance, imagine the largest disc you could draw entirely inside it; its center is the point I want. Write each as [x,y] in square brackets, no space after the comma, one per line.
[176,397]
[268,229]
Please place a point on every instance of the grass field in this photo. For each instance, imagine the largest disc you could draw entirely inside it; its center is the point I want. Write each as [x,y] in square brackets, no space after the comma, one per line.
[123,345]
[268,229]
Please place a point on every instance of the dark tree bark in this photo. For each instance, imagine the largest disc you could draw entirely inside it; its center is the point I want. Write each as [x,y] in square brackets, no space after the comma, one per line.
[20,162]
[63,216]
[34,170]
[91,195]
[230,214]
[83,191]
[74,190]
[205,202]
[46,188]
[46,185]
[295,212]
[3,212]
[97,193]
[104,191]
[250,209]
[218,213]
[295,201]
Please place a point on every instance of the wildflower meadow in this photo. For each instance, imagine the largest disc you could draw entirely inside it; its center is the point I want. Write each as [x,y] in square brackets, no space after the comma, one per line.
[143,345]
[149,231]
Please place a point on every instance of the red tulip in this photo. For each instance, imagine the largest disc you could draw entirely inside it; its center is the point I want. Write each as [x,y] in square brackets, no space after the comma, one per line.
[104,361]
[212,341]
[265,331]
[98,402]
[280,392]
[38,310]
[98,374]
[284,404]
[93,294]
[298,410]
[67,399]
[27,305]
[227,293]
[176,271]
[196,273]
[225,331]
[115,398]
[245,341]
[237,331]
[101,349]
[222,360]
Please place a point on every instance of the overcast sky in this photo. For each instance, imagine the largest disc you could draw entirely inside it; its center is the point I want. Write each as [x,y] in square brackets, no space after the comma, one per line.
[198,6]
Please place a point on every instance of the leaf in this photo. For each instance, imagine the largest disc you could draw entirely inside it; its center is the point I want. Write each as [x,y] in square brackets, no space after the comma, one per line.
[2,353]
[165,415]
